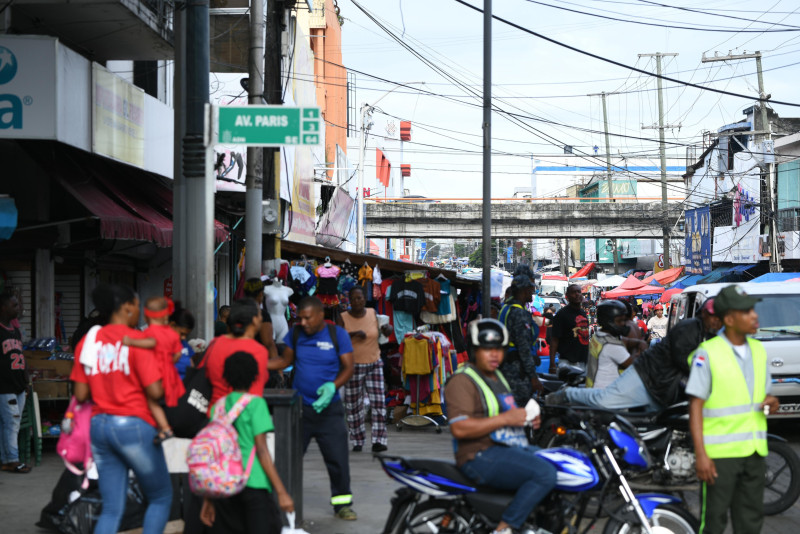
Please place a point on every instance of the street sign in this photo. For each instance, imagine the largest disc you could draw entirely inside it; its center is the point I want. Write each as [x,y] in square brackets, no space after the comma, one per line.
[509,253]
[423,249]
[269,125]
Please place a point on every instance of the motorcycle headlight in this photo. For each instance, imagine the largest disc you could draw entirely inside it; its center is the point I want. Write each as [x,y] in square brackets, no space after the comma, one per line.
[635,452]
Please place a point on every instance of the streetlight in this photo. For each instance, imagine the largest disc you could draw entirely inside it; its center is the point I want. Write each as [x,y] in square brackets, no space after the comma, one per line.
[426,253]
[366,109]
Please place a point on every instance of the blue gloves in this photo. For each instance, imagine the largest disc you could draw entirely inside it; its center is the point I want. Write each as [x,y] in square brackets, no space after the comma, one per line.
[326,392]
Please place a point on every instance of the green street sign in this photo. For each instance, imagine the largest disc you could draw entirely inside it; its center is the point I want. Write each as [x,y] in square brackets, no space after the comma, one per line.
[269,125]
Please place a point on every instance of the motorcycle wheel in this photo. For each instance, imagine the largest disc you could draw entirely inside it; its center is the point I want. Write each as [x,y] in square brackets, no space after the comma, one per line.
[670,518]
[782,486]
[436,515]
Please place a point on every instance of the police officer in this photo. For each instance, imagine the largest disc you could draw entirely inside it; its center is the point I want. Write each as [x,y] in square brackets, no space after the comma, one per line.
[728,387]
[519,366]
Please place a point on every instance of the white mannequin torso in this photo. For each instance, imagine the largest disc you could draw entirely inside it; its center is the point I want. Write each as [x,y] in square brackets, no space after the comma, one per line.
[276,299]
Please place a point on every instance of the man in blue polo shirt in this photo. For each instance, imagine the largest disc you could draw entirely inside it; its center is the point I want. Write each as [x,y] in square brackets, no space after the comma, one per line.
[322,365]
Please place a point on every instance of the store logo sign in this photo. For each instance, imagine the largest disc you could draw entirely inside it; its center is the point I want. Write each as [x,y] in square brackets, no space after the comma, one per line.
[743,206]
[10,104]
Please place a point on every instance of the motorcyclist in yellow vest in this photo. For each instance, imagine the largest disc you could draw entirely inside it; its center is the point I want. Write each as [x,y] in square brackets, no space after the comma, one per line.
[728,391]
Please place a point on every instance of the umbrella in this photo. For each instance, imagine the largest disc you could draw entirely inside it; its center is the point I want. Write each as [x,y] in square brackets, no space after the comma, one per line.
[611,281]
[666,276]
[666,295]
[631,283]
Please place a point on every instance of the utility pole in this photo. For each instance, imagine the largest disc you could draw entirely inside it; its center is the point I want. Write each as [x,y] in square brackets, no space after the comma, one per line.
[273,94]
[487,157]
[661,149]
[254,194]
[608,176]
[180,222]
[764,133]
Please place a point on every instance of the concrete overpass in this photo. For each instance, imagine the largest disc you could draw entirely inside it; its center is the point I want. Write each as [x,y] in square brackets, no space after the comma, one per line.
[521,219]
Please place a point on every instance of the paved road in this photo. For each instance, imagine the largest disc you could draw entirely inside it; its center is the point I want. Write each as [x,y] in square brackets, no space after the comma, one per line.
[23,496]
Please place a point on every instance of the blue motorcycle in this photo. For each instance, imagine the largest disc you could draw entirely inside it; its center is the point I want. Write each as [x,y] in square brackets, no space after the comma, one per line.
[438,498]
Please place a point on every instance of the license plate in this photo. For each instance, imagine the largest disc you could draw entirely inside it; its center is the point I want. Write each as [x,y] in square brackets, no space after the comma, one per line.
[786,409]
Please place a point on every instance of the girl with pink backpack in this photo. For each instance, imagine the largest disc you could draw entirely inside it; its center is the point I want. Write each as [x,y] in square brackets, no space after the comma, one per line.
[248,507]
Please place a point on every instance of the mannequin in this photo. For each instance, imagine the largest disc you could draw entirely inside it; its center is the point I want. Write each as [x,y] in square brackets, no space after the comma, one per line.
[276,298]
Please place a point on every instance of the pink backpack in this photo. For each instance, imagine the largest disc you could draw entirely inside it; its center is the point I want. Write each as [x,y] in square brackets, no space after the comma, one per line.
[214,456]
[75,446]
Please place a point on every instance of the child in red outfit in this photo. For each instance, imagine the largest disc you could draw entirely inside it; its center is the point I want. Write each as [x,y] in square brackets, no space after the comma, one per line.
[166,343]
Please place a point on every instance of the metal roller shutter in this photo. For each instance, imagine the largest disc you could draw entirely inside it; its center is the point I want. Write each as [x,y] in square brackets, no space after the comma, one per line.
[67,304]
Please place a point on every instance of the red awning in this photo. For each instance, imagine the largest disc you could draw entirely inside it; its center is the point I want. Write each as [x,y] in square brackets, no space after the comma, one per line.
[666,295]
[584,271]
[667,276]
[631,283]
[644,290]
[129,203]
[405,130]
[383,167]
[405,170]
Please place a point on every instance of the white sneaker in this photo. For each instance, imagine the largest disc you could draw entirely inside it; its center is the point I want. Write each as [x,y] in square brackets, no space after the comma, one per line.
[506,530]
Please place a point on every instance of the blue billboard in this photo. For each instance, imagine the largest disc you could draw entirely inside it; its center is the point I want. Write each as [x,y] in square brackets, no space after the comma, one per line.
[698,240]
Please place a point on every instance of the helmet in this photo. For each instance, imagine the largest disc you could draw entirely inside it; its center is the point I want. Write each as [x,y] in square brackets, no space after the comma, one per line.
[607,311]
[488,333]
[659,307]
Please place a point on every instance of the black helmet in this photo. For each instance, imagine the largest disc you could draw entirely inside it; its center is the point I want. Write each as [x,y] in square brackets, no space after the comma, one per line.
[607,311]
[487,333]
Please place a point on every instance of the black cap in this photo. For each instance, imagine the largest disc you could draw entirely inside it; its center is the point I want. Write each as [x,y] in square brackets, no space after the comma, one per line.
[733,297]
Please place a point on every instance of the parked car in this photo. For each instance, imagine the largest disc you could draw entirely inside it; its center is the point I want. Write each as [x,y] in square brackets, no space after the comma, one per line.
[779,330]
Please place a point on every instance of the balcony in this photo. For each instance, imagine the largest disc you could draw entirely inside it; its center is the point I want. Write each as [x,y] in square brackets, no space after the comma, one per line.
[100,30]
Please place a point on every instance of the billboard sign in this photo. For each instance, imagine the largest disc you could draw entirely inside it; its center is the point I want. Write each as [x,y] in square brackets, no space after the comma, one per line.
[27,87]
[698,240]
[117,117]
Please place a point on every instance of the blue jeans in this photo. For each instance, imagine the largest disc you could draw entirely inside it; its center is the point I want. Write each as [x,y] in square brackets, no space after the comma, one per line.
[11,406]
[627,391]
[513,469]
[120,443]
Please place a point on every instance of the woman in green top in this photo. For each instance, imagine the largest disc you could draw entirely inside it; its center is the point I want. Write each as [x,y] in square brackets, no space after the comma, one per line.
[253,510]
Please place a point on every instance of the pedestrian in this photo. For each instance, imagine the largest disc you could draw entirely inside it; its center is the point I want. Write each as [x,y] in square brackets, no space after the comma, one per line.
[244,323]
[521,360]
[182,322]
[322,355]
[221,324]
[254,289]
[729,398]
[253,510]
[656,378]
[658,323]
[367,381]
[570,331]
[635,338]
[13,384]
[491,448]
[120,380]
[607,353]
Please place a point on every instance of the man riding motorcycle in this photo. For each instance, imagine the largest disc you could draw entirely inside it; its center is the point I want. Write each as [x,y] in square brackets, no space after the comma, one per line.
[491,446]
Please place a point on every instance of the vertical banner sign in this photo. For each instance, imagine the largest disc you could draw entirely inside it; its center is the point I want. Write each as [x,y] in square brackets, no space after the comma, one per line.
[698,240]
[509,254]
[423,249]
[118,117]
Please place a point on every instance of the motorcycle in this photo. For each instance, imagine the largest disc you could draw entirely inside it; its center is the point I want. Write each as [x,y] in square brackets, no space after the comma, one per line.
[437,497]
[669,441]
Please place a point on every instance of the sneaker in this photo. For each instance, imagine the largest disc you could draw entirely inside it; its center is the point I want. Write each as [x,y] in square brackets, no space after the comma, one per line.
[558,397]
[379,447]
[506,530]
[346,513]
[357,448]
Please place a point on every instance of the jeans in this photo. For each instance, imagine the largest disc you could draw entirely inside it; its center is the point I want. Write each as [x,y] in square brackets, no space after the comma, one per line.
[120,443]
[627,391]
[513,469]
[11,406]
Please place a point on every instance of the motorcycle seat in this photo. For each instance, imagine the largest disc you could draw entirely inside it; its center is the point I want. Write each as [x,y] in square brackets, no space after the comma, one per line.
[443,468]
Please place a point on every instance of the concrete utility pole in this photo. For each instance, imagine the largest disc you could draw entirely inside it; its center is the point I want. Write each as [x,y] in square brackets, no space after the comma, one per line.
[608,176]
[765,134]
[661,149]
[487,157]
[273,94]
[180,223]
[254,184]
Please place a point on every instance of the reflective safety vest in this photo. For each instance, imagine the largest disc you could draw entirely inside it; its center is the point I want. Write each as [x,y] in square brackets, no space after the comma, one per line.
[503,317]
[734,425]
[488,397]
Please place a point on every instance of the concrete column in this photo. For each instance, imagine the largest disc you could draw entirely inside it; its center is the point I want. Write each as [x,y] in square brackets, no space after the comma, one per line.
[44,294]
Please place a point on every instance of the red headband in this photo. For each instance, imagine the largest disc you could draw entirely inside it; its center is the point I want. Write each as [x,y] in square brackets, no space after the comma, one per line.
[166,312]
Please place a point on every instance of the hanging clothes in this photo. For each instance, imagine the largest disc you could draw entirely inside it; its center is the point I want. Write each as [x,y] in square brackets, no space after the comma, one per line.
[328,284]
[431,289]
[365,274]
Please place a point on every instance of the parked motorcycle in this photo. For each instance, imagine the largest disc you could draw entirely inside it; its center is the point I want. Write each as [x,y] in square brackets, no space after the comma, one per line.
[669,443]
[437,497]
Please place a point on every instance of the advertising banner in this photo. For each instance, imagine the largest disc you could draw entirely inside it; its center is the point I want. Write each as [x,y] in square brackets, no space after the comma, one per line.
[334,224]
[117,117]
[698,240]
[27,87]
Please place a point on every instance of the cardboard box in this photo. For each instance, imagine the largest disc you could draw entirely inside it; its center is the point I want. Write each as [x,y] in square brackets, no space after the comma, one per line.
[49,389]
[36,354]
[59,367]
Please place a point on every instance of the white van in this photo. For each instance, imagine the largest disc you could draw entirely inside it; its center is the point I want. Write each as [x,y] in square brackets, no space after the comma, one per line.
[779,330]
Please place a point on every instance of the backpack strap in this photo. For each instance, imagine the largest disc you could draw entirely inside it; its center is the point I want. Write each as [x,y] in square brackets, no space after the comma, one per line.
[295,337]
[334,336]
[237,408]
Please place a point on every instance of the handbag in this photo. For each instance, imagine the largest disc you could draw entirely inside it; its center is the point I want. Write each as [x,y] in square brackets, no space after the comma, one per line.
[75,445]
[191,413]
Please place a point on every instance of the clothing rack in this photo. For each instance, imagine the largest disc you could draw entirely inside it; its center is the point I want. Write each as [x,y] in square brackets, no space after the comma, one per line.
[416,419]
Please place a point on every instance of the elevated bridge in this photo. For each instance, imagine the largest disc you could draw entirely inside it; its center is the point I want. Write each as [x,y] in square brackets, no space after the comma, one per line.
[525,219]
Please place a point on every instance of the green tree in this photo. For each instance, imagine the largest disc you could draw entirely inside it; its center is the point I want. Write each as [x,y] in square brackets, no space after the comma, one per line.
[476,258]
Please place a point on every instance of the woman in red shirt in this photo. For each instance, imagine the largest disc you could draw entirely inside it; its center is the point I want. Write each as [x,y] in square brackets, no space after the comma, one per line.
[244,323]
[120,379]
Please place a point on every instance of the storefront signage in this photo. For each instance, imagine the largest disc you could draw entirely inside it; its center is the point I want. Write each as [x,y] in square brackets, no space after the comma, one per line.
[27,87]
[698,240]
[117,117]
[269,125]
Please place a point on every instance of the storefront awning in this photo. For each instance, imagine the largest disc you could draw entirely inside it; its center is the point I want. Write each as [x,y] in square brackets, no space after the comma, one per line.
[775,277]
[8,217]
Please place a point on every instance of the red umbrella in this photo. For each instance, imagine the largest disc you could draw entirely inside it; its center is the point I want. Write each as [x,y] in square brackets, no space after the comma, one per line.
[631,283]
[666,295]
[644,290]
[666,276]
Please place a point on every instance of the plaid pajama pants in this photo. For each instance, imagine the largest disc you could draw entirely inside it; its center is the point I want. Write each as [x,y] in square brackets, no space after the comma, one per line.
[367,378]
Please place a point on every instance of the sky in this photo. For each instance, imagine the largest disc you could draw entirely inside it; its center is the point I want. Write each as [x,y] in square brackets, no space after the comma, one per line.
[541,83]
